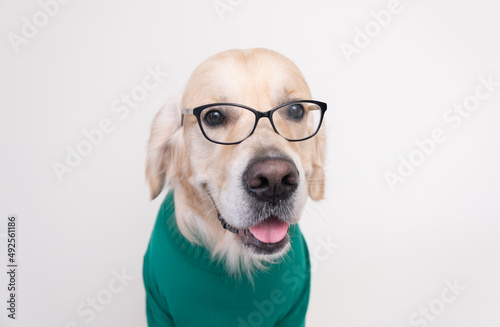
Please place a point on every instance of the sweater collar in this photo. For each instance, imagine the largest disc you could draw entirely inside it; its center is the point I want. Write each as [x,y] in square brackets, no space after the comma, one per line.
[199,254]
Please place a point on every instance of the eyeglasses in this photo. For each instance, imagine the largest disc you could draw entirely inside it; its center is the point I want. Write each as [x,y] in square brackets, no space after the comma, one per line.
[230,123]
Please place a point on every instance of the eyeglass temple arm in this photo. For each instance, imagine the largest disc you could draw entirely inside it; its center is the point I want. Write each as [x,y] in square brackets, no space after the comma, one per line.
[185,112]
[314,107]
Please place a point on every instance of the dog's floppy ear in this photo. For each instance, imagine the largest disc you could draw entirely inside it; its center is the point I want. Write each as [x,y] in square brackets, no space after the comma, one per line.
[164,153]
[316,182]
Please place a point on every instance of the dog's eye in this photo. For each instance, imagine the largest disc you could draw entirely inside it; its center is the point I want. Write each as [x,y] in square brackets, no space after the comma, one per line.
[213,118]
[295,111]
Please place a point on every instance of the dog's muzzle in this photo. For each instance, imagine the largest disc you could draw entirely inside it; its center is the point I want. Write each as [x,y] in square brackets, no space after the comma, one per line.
[270,182]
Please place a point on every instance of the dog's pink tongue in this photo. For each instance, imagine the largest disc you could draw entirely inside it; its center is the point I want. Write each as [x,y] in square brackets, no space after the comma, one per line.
[270,230]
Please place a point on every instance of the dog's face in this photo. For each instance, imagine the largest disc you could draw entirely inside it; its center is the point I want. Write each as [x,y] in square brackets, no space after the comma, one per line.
[257,188]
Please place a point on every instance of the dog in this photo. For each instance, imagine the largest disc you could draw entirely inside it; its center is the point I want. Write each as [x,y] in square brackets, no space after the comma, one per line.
[239,153]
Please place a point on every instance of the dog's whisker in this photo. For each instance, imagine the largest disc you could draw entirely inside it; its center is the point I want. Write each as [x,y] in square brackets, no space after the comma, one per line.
[213,208]
[204,195]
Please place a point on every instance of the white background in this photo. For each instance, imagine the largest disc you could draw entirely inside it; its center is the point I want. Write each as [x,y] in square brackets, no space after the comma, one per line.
[393,249]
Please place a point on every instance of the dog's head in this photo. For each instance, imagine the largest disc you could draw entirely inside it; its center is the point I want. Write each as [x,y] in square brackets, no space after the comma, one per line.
[240,183]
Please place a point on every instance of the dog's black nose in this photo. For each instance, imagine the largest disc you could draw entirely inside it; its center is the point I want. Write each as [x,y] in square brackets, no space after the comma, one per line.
[271,179]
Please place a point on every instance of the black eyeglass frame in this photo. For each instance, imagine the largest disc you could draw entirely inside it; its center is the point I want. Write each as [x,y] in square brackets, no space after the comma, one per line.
[258,115]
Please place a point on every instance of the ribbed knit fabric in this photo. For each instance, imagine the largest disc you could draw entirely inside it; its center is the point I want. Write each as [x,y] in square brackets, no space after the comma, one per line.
[185,287]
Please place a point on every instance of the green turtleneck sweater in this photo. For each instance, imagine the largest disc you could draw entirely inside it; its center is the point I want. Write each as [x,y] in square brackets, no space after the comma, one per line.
[185,287]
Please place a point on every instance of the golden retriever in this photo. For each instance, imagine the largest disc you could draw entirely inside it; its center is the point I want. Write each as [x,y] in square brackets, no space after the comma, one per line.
[239,182]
